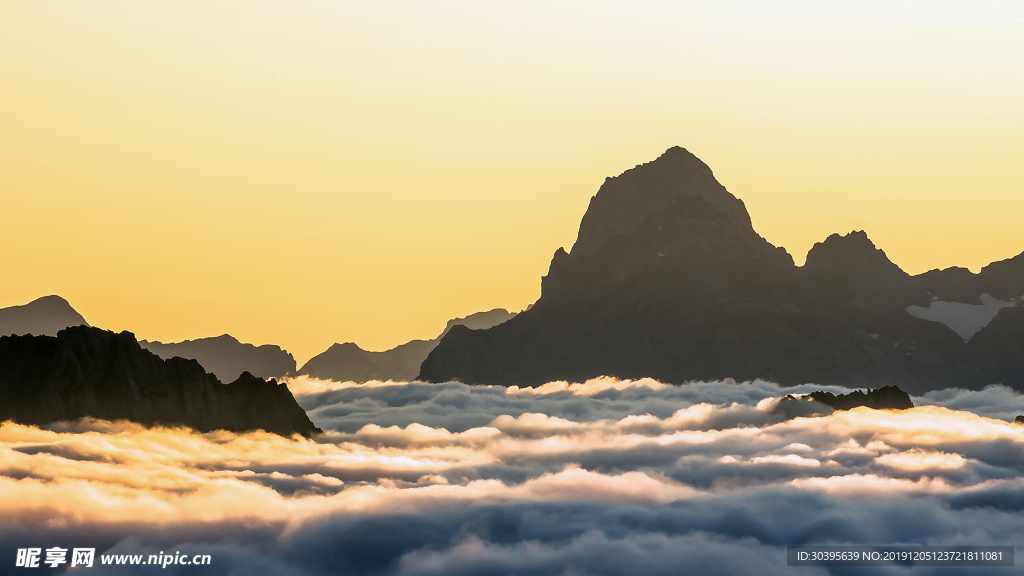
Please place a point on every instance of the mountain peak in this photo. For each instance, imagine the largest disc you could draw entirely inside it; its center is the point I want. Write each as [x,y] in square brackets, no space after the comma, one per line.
[42,316]
[678,153]
[667,224]
[852,256]
[51,300]
[624,202]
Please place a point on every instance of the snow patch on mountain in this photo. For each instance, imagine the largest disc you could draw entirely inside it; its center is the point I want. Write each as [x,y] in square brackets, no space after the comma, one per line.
[965,319]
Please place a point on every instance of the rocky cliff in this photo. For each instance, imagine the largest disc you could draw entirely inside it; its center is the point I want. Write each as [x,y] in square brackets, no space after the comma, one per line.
[86,371]
[668,279]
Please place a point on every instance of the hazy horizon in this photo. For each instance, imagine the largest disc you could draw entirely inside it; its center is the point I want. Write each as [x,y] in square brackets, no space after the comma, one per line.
[327,172]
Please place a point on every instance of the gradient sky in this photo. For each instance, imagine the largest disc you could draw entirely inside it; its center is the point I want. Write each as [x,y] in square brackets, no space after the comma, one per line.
[302,173]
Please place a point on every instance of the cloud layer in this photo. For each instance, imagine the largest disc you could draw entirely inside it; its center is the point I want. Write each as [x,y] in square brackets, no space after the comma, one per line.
[606,477]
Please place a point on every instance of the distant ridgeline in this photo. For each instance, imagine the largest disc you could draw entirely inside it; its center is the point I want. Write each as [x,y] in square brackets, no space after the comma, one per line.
[227,358]
[43,317]
[224,356]
[349,362]
[668,279]
[86,371]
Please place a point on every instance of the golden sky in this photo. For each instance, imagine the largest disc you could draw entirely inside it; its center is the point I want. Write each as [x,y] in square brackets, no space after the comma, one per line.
[303,173]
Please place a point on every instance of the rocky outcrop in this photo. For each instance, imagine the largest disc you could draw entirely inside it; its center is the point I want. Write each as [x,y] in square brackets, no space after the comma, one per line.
[348,362]
[885,398]
[227,358]
[668,279]
[43,317]
[90,372]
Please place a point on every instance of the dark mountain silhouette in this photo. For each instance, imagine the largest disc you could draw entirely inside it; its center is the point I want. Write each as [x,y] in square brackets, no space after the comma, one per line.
[87,371]
[43,317]
[885,398]
[348,362]
[227,358]
[668,279]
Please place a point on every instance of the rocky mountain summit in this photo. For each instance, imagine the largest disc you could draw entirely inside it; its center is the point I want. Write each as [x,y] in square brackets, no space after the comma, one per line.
[668,279]
[86,371]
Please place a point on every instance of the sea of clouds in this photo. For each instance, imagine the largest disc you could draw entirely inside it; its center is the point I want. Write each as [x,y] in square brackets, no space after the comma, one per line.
[606,477]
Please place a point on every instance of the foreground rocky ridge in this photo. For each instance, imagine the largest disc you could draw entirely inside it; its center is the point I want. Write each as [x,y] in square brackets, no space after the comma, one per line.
[86,371]
[669,280]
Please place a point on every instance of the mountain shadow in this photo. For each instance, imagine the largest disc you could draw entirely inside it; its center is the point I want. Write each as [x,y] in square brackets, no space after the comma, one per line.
[348,362]
[89,372]
[668,279]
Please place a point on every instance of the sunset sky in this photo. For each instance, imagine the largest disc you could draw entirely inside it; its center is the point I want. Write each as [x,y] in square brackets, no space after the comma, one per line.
[303,173]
